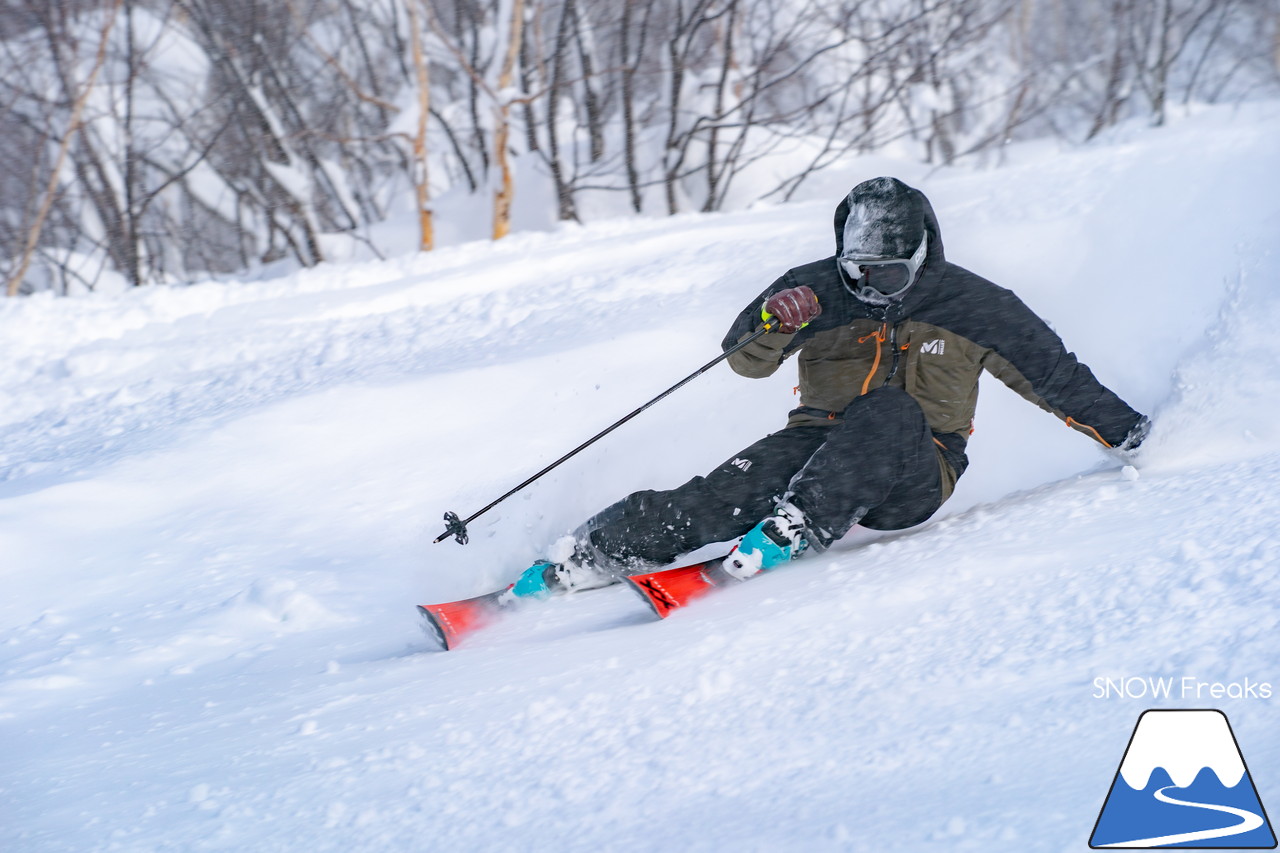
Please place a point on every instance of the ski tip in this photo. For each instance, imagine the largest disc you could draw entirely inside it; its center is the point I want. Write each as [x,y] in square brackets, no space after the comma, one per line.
[432,628]
[448,623]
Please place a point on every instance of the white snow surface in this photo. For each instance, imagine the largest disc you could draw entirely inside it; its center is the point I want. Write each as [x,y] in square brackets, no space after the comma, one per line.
[217,504]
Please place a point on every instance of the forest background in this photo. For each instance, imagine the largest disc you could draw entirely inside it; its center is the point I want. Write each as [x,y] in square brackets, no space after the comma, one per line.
[165,141]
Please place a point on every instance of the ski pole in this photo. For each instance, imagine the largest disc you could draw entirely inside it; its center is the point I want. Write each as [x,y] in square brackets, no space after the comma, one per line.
[457,527]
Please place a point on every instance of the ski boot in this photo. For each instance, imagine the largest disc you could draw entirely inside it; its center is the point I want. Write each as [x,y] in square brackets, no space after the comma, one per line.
[781,537]
[538,581]
[545,578]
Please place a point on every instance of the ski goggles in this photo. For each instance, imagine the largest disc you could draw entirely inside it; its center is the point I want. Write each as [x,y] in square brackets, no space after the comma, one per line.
[887,278]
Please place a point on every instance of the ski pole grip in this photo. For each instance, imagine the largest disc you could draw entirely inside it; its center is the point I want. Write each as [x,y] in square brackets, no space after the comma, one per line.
[770,325]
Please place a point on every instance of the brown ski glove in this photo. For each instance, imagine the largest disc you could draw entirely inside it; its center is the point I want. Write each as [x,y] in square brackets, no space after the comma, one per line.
[794,307]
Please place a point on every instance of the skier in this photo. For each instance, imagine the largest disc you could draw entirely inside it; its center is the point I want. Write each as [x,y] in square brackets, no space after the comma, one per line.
[891,340]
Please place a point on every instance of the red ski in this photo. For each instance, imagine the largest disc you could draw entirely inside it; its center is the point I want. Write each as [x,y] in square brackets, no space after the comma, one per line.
[449,622]
[666,590]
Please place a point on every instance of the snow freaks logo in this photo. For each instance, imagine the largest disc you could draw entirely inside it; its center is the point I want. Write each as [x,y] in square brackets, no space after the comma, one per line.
[1183,783]
[1186,688]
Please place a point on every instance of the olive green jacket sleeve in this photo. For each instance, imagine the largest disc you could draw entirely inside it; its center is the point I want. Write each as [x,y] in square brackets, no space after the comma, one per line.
[761,357]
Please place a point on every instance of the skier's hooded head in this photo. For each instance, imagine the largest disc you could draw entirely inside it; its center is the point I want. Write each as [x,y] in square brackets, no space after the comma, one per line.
[883,239]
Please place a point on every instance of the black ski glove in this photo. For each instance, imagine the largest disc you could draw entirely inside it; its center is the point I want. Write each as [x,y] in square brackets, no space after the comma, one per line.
[1136,435]
[1126,450]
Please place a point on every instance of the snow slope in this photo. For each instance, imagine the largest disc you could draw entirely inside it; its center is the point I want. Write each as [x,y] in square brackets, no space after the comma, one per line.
[216,507]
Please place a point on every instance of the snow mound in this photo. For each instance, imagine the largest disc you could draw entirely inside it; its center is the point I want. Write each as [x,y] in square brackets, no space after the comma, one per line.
[279,604]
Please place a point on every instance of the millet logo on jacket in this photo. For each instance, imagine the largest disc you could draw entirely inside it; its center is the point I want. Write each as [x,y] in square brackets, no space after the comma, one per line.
[938,347]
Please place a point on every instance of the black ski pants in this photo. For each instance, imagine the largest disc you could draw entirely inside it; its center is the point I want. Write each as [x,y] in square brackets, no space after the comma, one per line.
[878,466]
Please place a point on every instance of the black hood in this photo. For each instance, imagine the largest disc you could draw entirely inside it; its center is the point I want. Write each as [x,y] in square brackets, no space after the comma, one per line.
[900,212]
[840,305]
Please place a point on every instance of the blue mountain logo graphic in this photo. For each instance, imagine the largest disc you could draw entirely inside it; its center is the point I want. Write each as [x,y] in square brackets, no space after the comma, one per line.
[1183,783]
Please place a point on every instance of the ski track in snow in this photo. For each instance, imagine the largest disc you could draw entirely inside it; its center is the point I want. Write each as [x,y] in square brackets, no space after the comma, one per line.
[216,504]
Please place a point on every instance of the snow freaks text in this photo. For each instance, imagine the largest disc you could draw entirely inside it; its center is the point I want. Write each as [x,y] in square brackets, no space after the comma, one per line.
[1185,688]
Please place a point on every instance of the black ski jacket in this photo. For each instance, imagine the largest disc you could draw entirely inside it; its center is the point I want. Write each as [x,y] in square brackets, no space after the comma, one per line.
[934,343]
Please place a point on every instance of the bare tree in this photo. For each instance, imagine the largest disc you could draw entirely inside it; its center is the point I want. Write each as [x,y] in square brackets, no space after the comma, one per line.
[80,96]
[1159,31]
[502,131]
[421,176]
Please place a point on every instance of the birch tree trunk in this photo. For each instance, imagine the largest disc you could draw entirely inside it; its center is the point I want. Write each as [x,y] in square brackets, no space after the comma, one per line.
[502,131]
[426,233]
